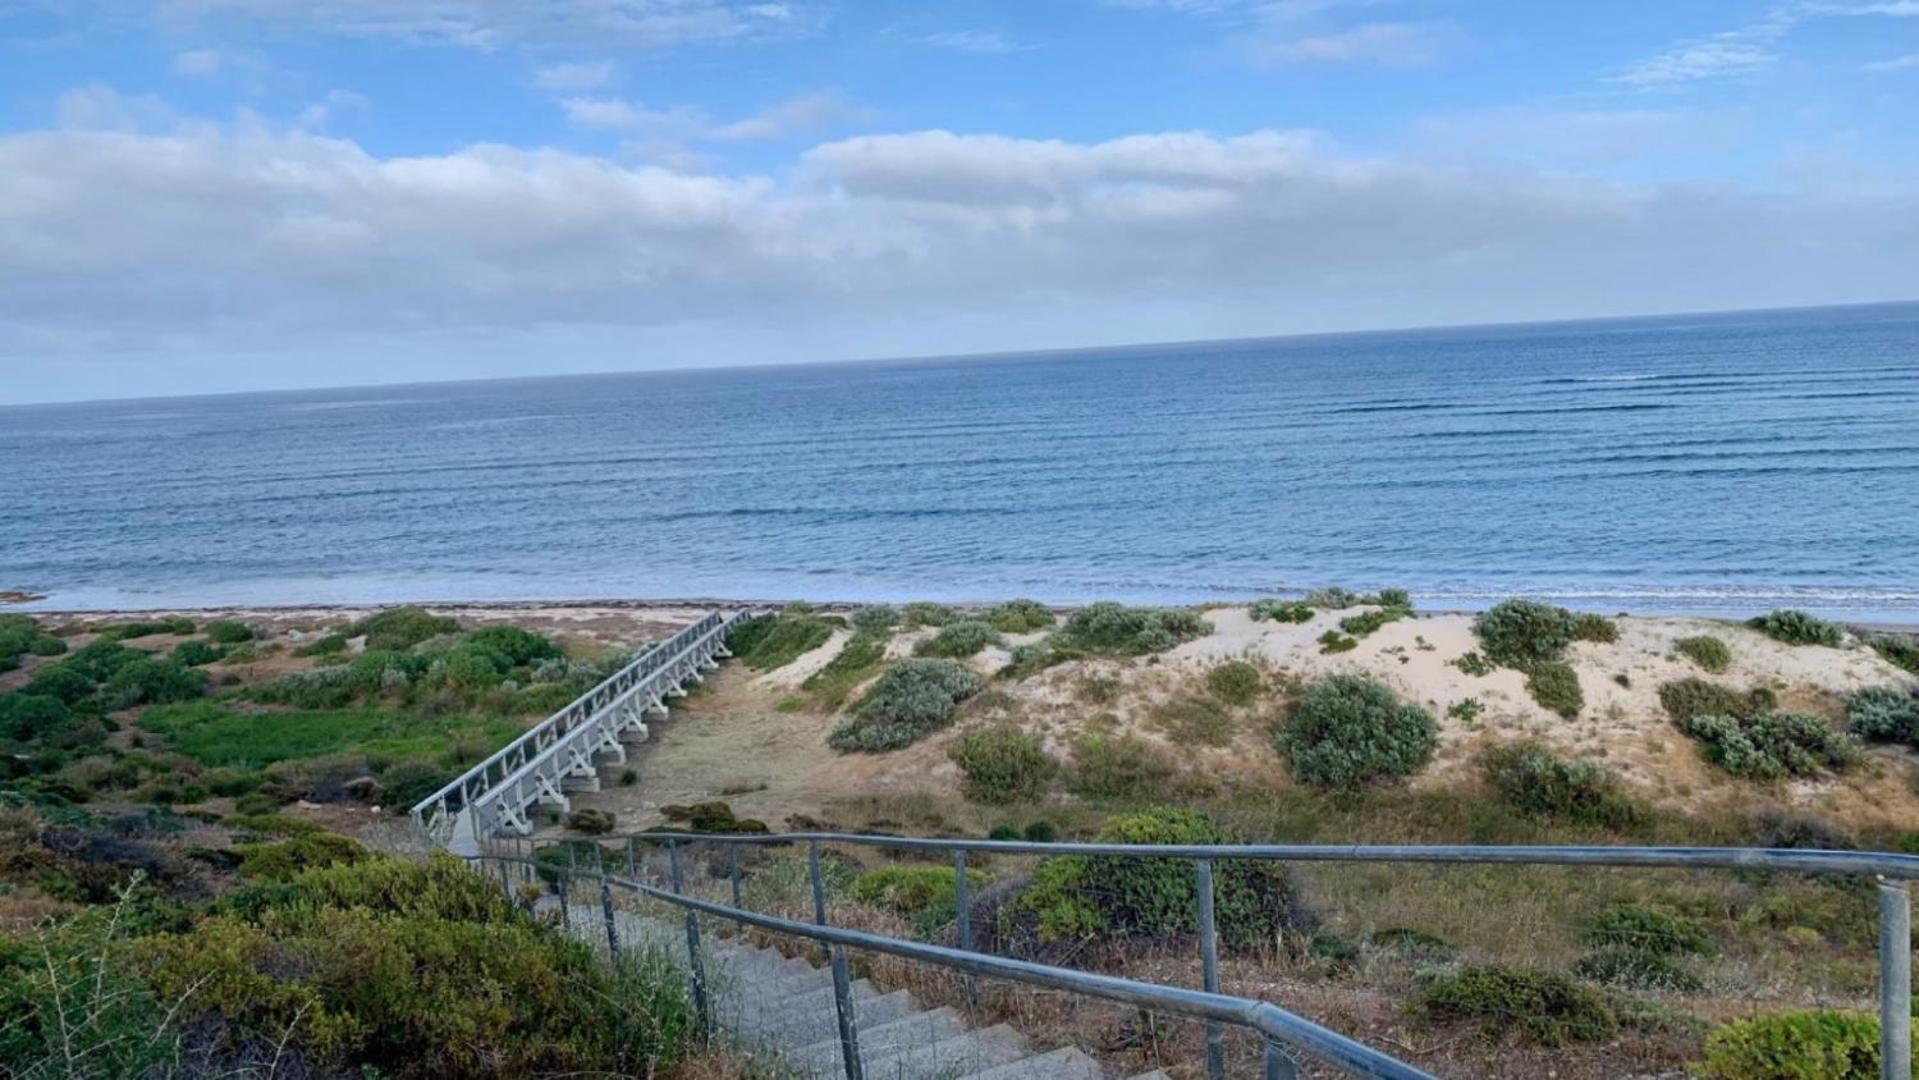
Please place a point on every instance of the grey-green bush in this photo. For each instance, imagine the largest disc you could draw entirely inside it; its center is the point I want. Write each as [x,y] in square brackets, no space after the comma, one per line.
[1534,780]
[1002,764]
[913,697]
[1555,686]
[1117,630]
[1772,744]
[1347,730]
[959,640]
[1710,653]
[874,619]
[1517,631]
[1020,616]
[1883,714]
[1796,628]
[1235,682]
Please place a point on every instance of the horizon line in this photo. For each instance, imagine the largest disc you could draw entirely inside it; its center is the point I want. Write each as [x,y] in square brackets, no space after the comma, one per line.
[1000,354]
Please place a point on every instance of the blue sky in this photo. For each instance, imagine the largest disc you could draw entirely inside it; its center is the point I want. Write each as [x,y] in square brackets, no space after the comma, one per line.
[205,195]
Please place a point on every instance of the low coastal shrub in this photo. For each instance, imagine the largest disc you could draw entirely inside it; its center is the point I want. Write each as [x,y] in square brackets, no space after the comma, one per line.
[1638,970]
[861,657]
[1475,665]
[147,628]
[228,632]
[284,860]
[913,697]
[1109,629]
[1709,652]
[591,821]
[1555,686]
[21,635]
[874,619]
[1590,627]
[1256,904]
[1825,1043]
[411,970]
[1533,780]
[1332,598]
[1285,611]
[1899,650]
[711,817]
[1797,628]
[1332,641]
[1235,682]
[1020,617]
[1520,631]
[326,645]
[196,653]
[401,628]
[922,613]
[1647,928]
[1002,764]
[959,639]
[1689,697]
[1542,1008]
[1772,744]
[927,896]
[1883,714]
[1346,731]
[510,646]
[151,682]
[1121,768]
[1368,621]
[768,642]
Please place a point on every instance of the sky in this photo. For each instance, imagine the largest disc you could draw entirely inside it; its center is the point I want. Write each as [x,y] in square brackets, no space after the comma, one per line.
[202,196]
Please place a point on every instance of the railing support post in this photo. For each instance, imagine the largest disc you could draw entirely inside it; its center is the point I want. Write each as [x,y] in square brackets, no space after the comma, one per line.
[1895,980]
[1209,964]
[632,862]
[566,915]
[1279,1064]
[506,884]
[606,910]
[963,905]
[842,988]
[692,943]
[733,872]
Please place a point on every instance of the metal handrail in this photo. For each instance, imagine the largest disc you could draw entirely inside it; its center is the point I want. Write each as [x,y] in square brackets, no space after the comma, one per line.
[1893,872]
[1270,1021]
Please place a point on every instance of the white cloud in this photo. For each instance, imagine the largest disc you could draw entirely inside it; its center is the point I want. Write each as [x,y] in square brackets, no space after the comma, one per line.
[1582,137]
[247,239]
[573,78]
[973,41]
[1387,44]
[1897,63]
[489,24]
[197,62]
[807,112]
[1699,60]
[327,109]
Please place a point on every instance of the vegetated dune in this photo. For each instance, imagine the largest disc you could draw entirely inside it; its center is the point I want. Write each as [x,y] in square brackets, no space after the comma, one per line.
[734,739]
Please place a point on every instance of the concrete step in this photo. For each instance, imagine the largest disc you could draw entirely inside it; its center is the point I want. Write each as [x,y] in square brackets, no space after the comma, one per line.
[1066,1063]
[814,1018]
[969,1051]
[878,1044]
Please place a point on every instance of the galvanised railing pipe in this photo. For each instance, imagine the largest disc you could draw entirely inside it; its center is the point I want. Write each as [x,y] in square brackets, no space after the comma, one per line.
[1270,1021]
[1892,871]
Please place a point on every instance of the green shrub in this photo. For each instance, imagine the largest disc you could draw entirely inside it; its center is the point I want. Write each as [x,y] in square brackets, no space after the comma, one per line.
[1368,621]
[1690,697]
[1530,778]
[1193,719]
[1637,969]
[711,817]
[1332,598]
[1110,629]
[1286,611]
[46,645]
[874,619]
[1467,709]
[328,645]
[1020,617]
[1475,665]
[196,653]
[1796,628]
[959,640]
[94,663]
[1256,904]
[1520,631]
[1003,832]
[72,1006]
[1772,744]
[1394,598]
[401,628]
[921,614]
[852,665]
[1709,652]
[1555,686]
[1590,627]
[911,699]
[1647,928]
[1002,764]
[1332,641]
[229,632]
[152,682]
[927,896]
[415,970]
[768,642]
[521,648]
[1883,714]
[147,628]
[1899,650]
[28,717]
[1826,1044]
[1348,730]
[1123,768]
[283,860]
[590,821]
[1235,682]
[405,783]
[1543,1008]
[1041,832]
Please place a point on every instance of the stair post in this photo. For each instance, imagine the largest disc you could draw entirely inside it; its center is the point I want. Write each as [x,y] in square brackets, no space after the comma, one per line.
[842,989]
[692,943]
[1209,964]
[963,901]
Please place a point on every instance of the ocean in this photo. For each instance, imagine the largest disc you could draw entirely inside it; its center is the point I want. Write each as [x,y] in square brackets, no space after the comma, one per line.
[1717,464]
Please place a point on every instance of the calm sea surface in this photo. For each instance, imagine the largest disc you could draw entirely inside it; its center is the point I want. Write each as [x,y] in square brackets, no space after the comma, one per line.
[1711,463]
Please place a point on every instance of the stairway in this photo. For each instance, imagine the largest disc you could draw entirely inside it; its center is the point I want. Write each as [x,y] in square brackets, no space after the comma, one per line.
[779,1010]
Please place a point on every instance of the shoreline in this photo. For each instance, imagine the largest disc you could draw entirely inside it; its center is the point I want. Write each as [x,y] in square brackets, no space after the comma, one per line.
[664,605]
